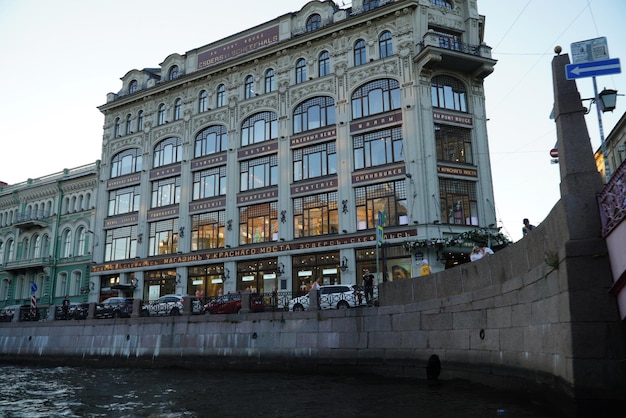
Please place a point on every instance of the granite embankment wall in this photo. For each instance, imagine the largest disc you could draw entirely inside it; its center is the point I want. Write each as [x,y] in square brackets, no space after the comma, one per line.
[513,317]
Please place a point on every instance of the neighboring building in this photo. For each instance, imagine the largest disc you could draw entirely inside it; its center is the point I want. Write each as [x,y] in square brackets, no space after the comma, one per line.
[615,148]
[45,237]
[262,160]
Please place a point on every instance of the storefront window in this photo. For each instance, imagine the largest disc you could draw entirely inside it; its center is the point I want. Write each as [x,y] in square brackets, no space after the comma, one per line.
[258,276]
[307,268]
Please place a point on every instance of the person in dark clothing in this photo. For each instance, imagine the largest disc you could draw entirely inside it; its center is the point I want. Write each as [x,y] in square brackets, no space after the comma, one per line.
[368,286]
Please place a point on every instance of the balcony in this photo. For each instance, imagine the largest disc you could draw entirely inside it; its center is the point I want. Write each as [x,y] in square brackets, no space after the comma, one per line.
[31,220]
[437,52]
[28,263]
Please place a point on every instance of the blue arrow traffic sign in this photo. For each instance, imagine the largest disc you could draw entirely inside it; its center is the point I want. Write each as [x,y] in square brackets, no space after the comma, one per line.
[592,69]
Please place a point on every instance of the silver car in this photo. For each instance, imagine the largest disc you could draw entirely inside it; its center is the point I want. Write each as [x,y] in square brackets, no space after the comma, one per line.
[172,305]
[336,296]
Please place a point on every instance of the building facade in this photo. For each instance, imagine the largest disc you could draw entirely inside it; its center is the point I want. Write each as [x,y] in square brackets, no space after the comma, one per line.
[285,153]
[46,240]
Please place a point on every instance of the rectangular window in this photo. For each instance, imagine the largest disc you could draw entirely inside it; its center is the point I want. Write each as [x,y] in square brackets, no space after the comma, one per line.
[458,202]
[121,243]
[209,183]
[259,173]
[258,223]
[315,215]
[165,192]
[316,161]
[387,198]
[453,144]
[124,200]
[207,230]
[378,148]
[163,237]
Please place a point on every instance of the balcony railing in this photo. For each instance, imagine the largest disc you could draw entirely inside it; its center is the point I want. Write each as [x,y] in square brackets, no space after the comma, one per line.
[612,201]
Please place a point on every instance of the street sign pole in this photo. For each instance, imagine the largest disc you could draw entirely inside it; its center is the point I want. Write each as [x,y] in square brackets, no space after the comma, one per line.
[607,169]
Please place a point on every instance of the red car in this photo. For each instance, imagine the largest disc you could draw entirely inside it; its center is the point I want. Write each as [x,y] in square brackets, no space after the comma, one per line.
[231,303]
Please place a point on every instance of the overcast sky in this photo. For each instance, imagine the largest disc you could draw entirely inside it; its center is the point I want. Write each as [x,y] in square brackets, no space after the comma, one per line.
[61,58]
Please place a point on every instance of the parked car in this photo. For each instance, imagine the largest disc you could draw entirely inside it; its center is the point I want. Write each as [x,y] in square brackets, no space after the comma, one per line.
[8,312]
[337,296]
[118,307]
[75,311]
[231,303]
[172,305]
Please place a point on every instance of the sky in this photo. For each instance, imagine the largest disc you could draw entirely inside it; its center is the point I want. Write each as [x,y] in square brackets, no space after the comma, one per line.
[61,58]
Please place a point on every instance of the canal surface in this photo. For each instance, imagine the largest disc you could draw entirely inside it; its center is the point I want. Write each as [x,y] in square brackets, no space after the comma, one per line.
[88,392]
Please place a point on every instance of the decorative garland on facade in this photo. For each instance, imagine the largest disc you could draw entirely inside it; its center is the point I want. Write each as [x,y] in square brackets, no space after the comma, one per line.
[466,239]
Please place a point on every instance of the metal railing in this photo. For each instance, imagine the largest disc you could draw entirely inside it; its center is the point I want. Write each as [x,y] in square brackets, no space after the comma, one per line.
[612,201]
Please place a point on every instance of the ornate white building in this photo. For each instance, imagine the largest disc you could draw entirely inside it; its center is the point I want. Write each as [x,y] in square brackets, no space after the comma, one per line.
[265,160]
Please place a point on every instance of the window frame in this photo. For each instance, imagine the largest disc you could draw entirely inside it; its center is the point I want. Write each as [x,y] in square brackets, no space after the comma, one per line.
[306,224]
[323,64]
[248,87]
[367,151]
[265,223]
[303,114]
[203,101]
[327,161]
[168,151]
[360,53]
[371,199]
[362,99]
[385,44]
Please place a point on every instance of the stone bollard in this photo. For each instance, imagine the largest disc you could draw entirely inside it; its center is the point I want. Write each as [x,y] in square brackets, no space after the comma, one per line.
[91,311]
[187,305]
[313,300]
[245,302]
[136,308]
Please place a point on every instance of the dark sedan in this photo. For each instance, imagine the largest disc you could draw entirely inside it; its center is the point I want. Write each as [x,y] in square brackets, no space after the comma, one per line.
[117,307]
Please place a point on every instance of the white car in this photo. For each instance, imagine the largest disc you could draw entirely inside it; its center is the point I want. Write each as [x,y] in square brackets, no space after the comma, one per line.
[336,296]
[172,305]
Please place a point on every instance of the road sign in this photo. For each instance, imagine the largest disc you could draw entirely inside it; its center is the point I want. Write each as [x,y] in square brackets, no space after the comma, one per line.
[592,69]
[380,236]
[33,287]
[590,50]
[554,153]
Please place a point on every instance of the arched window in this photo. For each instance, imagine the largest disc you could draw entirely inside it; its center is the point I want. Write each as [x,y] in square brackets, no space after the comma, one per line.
[202,101]
[168,151]
[248,87]
[173,72]
[377,96]
[132,87]
[116,128]
[314,22]
[448,93]
[81,238]
[1,252]
[314,113]
[140,121]
[37,246]
[359,53]
[221,96]
[300,70]
[211,140]
[323,64]
[259,127]
[370,5]
[178,109]
[128,126]
[161,114]
[385,45]
[66,244]
[126,162]
[270,81]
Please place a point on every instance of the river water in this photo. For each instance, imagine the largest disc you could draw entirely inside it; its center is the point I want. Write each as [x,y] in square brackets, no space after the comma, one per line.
[93,392]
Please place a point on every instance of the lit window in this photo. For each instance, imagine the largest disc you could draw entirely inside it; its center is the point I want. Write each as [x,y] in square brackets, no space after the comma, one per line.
[258,223]
[163,237]
[208,230]
[458,202]
[316,215]
[453,144]
[388,198]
